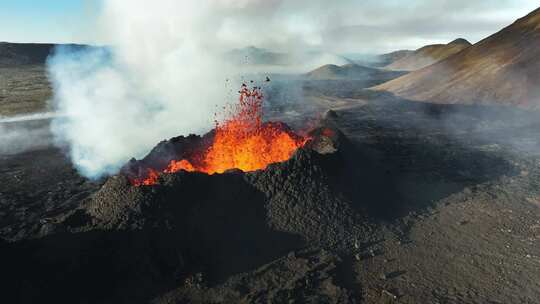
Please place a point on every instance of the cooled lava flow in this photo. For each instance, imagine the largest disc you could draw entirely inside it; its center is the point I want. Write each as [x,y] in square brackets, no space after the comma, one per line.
[241,142]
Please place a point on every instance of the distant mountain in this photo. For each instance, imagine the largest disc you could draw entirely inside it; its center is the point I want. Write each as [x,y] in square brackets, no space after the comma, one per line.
[352,72]
[21,54]
[425,56]
[501,69]
[387,59]
[258,56]
[253,55]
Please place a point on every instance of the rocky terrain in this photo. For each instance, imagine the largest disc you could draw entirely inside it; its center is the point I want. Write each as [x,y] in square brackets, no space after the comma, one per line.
[501,69]
[24,90]
[390,201]
[24,86]
[416,203]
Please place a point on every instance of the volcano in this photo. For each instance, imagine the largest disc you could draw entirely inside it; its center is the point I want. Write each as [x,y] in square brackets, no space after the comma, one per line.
[200,211]
[190,228]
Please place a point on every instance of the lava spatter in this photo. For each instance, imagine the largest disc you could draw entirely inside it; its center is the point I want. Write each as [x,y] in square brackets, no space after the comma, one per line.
[242,141]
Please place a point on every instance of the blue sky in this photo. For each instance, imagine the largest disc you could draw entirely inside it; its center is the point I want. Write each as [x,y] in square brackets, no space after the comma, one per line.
[379,24]
[46,20]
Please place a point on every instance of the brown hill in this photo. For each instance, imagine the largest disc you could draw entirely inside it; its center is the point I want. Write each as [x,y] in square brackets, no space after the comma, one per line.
[427,55]
[501,69]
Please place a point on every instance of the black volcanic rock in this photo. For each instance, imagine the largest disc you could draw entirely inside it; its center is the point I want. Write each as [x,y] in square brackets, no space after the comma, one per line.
[297,195]
[151,238]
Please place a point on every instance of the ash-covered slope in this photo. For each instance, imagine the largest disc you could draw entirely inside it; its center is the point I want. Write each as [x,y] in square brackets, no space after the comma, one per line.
[501,69]
[307,181]
[427,55]
[129,244]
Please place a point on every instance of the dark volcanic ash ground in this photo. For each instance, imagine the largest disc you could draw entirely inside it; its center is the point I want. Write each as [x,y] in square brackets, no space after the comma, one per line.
[417,204]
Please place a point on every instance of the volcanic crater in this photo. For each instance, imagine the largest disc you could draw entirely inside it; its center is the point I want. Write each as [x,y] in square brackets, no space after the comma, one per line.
[241,142]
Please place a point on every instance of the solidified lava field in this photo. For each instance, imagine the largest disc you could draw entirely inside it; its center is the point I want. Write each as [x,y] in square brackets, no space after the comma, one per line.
[379,211]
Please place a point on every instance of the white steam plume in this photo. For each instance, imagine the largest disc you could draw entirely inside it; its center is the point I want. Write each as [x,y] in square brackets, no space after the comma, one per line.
[163,73]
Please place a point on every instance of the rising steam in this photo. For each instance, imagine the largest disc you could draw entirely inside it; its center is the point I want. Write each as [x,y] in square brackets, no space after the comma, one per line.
[162,74]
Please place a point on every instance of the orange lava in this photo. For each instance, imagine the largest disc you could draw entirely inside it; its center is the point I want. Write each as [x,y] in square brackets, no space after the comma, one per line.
[241,142]
[150,179]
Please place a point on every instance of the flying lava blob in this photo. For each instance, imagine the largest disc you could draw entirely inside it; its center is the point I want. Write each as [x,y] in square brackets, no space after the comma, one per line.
[242,141]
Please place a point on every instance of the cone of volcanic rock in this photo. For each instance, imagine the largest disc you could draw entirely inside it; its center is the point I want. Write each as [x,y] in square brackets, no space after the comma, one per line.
[304,182]
[232,222]
[132,243]
[428,55]
[501,69]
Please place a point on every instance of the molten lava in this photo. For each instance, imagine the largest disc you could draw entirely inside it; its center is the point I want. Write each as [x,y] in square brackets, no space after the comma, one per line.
[241,142]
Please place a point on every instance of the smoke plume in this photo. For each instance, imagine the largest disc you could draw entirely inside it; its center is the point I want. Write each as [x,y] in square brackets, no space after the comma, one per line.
[163,73]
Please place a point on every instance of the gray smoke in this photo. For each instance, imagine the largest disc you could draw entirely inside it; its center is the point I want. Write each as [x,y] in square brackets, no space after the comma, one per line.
[24,133]
[162,74]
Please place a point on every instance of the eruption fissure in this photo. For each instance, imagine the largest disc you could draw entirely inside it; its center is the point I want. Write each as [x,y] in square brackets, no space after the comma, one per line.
[242,141]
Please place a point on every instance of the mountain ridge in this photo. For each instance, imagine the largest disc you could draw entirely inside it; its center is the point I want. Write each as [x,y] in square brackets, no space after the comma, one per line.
[428,55]
[501,69]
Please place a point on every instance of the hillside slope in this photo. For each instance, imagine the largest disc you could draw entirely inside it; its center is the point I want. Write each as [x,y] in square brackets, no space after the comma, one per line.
[427,55]
[501,69]
[383,60]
